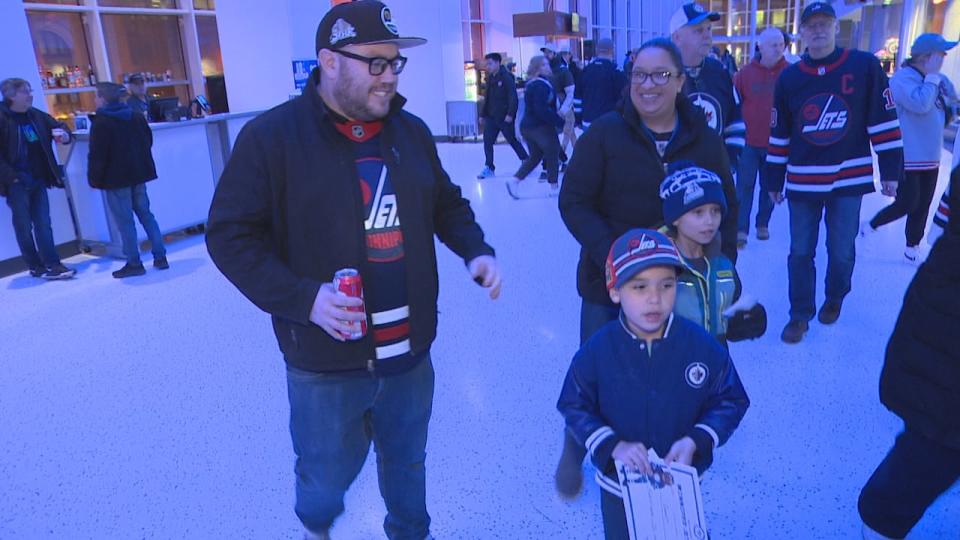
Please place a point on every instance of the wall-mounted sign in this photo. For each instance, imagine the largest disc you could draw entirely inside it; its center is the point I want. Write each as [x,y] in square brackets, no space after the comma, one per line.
[301,72]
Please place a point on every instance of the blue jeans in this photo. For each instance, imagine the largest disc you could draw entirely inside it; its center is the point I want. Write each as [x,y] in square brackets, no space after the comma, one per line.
[751,160]
[842,216]
[30,207]
[333,420]
[594,316]
[123,204]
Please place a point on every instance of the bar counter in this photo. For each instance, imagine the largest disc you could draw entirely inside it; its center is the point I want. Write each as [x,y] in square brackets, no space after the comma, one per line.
[190,155]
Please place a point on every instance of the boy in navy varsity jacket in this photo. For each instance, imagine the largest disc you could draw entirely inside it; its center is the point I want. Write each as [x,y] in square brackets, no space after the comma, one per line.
[828,109]
[708,287]
[649,379]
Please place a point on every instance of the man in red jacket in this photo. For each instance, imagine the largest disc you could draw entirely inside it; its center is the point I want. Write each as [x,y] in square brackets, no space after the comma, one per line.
[755,84]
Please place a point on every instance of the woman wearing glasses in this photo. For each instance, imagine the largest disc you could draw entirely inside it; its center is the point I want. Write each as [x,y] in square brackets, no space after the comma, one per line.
[612,185]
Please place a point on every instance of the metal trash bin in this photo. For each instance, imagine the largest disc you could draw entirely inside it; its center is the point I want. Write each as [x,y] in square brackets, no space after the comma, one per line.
[462,120]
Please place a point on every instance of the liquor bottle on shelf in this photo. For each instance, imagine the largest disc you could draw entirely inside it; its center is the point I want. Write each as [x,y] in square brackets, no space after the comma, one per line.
[62,81]
[168,75]
[78,78]
[51,80]
[91,76]
[43,79]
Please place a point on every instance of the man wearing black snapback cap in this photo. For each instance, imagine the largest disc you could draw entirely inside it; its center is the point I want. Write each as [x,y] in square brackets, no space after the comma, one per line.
[828,109]
[342,177]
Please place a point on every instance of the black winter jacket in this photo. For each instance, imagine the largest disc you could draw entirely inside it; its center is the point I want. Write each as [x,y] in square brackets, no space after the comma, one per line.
[601,88]
[500,99]
[920,381]
[540,101]
[288,213]
[120,155]
[612,185]
[10,139]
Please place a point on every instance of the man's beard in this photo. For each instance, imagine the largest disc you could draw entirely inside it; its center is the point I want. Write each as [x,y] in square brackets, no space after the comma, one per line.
[352,98]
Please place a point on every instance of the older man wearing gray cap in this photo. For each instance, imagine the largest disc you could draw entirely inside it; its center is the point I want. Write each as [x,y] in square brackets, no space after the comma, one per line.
[343,178]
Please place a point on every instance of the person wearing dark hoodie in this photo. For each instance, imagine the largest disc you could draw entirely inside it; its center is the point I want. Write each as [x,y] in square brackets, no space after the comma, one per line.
[920,383]
[540,126]
[120,163]
[28,168]
[613,182]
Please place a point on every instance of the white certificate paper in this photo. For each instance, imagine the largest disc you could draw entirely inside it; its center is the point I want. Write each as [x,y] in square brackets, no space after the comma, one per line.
[666,505]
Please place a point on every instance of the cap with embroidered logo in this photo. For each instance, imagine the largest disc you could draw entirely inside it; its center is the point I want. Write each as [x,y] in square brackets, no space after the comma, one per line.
[362,22]
[817,8]
[637,250]
[690,14]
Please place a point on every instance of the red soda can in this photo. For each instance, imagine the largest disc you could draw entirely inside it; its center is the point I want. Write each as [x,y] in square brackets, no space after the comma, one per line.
[348,282]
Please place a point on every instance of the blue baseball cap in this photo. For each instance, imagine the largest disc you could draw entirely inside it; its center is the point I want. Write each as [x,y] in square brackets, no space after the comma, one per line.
[689,14]
[635,251]
[817,8]
[929,43]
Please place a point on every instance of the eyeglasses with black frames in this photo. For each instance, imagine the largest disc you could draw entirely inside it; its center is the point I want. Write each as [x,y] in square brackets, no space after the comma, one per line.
[378,65]
[658,78]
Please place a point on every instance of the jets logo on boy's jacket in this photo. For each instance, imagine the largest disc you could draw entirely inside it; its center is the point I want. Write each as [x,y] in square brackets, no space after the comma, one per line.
[826,115]
[711,89]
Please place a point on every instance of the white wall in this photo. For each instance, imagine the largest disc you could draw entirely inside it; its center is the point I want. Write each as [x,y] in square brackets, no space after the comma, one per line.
[434,74]
[20,61]
[257,51]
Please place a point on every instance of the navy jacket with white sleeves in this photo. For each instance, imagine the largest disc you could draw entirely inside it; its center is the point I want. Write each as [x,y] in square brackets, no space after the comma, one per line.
[619,389]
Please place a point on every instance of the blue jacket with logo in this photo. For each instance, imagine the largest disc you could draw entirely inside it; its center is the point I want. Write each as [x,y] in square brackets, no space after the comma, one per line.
[702,298]
[619,389]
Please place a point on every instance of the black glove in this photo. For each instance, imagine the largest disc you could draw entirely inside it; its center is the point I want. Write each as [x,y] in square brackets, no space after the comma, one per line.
[748,324]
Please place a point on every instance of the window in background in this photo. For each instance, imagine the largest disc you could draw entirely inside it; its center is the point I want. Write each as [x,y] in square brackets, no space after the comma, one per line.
[158,4]
[57,2]
[149,44]
[473,30]
[63,59]
[211,64]
[209,5]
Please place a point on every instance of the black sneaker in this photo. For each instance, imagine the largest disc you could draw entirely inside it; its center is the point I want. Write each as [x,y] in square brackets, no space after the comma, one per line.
[38,271]
[830,312]
[794,331]
[569,476]
[563,166]
[160,263]
[543,176]
[130,270]
[59,271]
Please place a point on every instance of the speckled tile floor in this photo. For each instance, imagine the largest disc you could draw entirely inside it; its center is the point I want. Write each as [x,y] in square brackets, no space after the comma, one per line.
[156,407]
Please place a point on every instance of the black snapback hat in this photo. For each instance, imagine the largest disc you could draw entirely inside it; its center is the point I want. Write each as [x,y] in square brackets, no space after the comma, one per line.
[362,22]
[817,8]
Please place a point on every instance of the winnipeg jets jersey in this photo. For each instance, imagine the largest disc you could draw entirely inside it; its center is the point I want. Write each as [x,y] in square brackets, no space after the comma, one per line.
[826,114]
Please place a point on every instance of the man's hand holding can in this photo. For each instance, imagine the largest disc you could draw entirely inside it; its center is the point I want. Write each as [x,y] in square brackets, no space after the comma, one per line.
[331,312]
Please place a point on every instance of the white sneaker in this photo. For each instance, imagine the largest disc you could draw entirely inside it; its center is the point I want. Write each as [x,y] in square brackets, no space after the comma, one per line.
[912,254]
[513,188]
[866,229]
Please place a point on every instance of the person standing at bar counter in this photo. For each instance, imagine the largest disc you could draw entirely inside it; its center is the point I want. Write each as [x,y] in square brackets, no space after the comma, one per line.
[137,97]
[28,168]
[121,163]
[343,177]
